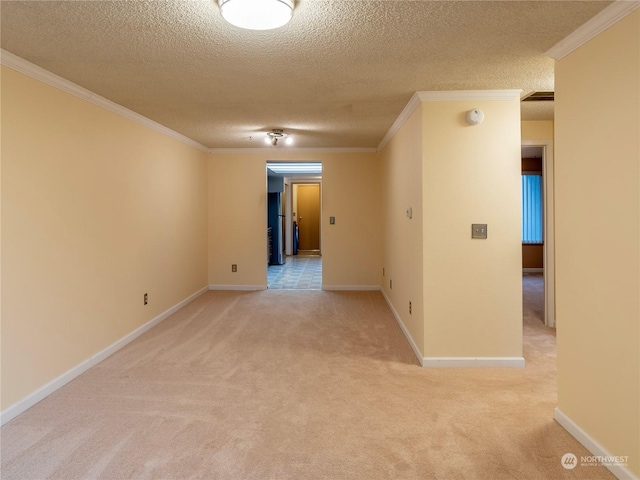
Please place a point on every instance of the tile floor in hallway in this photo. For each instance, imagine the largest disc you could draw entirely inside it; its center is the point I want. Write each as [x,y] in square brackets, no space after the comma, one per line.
[298,273]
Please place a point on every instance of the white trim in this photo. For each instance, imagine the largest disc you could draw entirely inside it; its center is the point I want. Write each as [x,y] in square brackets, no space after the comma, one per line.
[404,329]
[403,117]
[549,260]
[23,66]
[43,392]
[460,362]
[464,362]
[468,95]
[590,444]
[533,270]
[596,25]
[278,152]
[252,288]
[355,288]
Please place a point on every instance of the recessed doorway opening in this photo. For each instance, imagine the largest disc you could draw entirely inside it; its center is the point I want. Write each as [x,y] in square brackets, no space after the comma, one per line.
[294,210]
[537,236]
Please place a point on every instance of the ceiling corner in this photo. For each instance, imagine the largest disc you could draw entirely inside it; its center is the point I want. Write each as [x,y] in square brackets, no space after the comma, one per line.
[599,23]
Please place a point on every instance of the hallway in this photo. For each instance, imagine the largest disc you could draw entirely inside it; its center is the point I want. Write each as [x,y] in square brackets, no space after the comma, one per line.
[298,273]
[533,295]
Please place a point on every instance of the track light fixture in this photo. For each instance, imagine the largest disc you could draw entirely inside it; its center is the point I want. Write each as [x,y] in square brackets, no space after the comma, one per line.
[277,134]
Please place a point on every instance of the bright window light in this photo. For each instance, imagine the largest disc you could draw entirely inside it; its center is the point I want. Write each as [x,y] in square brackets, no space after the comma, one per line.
[532,218]
[311,168]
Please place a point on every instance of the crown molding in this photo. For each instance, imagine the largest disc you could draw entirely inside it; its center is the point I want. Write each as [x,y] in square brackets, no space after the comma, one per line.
[403,117]
[596,25]
[285,150]
[21,65]
[473,95]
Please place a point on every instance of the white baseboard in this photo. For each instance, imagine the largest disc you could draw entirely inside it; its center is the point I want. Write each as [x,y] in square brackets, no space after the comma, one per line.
[466,362]
[238,287]
[459,362]
[533,270]
[43,392]
[360,288]
[590,444]
[414,347]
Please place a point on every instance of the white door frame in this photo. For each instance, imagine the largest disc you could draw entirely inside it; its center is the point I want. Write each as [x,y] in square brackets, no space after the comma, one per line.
[549,237]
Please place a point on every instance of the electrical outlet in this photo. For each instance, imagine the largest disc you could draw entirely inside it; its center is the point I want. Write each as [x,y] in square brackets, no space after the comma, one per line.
[479,230]
[234,268]
[409,308]
[146,298]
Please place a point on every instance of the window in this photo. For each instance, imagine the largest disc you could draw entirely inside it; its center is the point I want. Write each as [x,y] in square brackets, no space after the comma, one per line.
[532,219]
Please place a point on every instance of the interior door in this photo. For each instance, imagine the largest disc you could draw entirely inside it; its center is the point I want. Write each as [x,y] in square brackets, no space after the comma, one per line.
[309,216]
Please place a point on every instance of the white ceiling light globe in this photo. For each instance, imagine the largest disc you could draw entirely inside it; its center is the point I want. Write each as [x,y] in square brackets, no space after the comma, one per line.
[257,14]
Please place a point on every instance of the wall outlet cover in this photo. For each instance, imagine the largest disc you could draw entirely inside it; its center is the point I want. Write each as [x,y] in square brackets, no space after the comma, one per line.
[479,230]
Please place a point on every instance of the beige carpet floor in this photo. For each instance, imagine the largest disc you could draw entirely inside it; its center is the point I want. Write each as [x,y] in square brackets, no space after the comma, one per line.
[295,385]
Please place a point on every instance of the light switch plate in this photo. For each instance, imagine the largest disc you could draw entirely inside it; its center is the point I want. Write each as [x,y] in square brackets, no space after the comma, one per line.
[332,220]
[478,230]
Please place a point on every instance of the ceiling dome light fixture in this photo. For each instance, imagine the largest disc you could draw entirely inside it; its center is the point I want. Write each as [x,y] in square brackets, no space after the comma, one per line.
[257,14]
[276,134]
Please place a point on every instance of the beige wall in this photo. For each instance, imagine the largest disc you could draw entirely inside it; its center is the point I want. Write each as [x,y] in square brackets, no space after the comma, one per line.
[537,130]
[471,174]
[598,184]
[351,248]
[402,237]
[96,211]
[237,222]
[466,294]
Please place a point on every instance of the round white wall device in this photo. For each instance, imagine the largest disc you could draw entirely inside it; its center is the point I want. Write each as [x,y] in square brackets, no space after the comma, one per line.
[475,116]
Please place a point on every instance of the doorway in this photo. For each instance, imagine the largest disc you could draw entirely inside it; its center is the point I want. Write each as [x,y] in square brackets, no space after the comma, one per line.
[299,187]
[307,207]
[543,152]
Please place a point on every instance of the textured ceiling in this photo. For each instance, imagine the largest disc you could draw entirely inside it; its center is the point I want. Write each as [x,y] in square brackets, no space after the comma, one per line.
[338,75]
